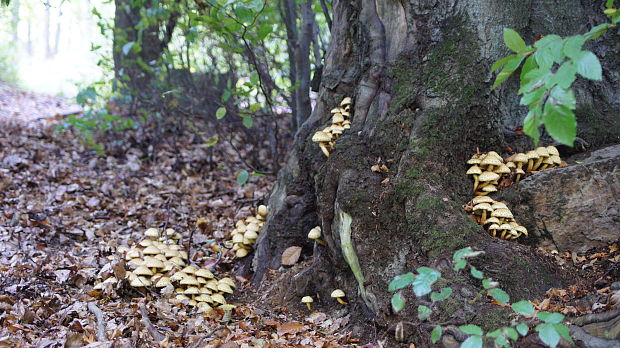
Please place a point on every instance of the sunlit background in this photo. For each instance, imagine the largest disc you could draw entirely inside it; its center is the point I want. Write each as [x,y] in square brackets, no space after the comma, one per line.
[52,46]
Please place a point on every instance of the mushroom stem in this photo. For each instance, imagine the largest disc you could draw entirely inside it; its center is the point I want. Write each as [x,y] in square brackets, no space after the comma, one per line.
[324,149]
[503,234]
[530,164]
[538,162]
[481,193]
[340,300]
[475,182]
[308,305]
[322,242]
[490,168]
[518,177]
[484,217]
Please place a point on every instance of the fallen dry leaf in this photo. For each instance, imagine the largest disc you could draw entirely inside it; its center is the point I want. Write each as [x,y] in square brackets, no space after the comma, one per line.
[291,255]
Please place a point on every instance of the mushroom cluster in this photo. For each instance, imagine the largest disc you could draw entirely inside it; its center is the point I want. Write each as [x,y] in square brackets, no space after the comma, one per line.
[341,121]
[489,170]
[246,232]
[495,217]
[200,288]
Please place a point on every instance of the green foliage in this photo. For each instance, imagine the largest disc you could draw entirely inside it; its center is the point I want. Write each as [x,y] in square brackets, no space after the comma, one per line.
[242,177]
[550,66]
[550,329]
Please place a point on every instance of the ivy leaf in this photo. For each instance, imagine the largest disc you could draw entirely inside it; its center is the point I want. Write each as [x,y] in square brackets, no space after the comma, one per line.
[589,66]
[242,177]
[442,295]
[551,318]
[548,334]
[424,312]
[499,295]
[398,302]
[472,342]
[523,329]
[424,280]
[471,329]
[513,40]
[436,334]
[476,273]
[523,307]
[400,281]
[220,113]
[560,122]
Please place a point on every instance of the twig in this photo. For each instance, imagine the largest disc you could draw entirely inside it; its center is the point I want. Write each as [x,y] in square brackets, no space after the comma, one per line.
[92,307]
[149,326]
[189,244]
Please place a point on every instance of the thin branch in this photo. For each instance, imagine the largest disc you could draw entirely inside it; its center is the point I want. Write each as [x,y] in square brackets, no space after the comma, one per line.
[157,336]
[92,307]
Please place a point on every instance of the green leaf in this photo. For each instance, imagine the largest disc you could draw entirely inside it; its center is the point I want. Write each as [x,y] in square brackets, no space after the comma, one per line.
[572,45]
[533,96]
[424,280]
[263,31]
[398,302]
[544,58]
[220,113]
[523,307]
[247,121]
[564,331]
[609,4]
[465,253]
[488,283]
[472,342]
[439,296]
[548,334]
[511,333]
[532,122]
[523,329]
[254,79]
[589,66]
[597,31]
[242,177]
[513,40]
[460,265]
[510,67]
[529,65]
[436,334]
[564,76]
[424,312]
[501,77]
[500,63]
[494,333]
[471,329]
[127,47]
[501,341]
[560,122]
[564,97]
[400,281]
[476,273]
[499,295]
[551,318]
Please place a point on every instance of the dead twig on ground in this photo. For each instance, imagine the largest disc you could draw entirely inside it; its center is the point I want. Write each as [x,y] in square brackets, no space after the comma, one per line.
[157,336]
[92,307]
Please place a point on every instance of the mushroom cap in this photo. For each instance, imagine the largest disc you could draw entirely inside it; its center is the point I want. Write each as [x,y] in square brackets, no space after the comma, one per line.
[241,253]
[314,233]
[145,242]
[520,171]
[248,241]
[178,276]
[189,270]
[201,280]
[122,249]
[346,101]
[237,238]
[473,160]
[152,232]
[337,293]
[489,160]
[182,297]
[205,273]
[520,157]
[499,205]
[162,282]
[224,288]
[494,154]
[542,151]
[307,299]
[140,282]
[489,188]
[136,262]
[151,250]
[183,254]
[494,227]
[170,232]
[474,170]
[263,210]
[502,213]
[130,276]
[505,227]
[240,223]
[483,206]
[171,253]
[532,155]
[154,263]
[227,307]
[228,281]
[133,253]
[335,110]
[482,199]
[192,290]
[251,234]
[488,176]
[521,229]
[321,136]
[337,118]
[492,220]
[511,165]
[553,151]
[203,298]
[160,257]
[190,280]
[142,270]
[212,284]
[556,159]
[502,169]
[203,307]
[205,290]
[177,261]
[218,298]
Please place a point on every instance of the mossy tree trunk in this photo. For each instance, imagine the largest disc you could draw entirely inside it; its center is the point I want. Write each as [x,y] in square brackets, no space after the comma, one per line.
[419,74]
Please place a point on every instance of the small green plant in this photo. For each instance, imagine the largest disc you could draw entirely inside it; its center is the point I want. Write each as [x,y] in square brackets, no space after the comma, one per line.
[550,67]
[550,329]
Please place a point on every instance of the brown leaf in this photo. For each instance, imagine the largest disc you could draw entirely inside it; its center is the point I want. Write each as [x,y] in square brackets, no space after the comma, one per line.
[290,327]
[290,256]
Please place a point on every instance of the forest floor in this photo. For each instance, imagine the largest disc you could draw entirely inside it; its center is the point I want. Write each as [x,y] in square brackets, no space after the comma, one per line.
[64,212]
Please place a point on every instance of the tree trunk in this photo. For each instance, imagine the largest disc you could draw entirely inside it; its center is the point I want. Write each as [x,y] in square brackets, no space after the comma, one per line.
[419,74]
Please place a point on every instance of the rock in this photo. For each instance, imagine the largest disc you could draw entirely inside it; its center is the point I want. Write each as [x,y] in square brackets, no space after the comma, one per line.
[577,207]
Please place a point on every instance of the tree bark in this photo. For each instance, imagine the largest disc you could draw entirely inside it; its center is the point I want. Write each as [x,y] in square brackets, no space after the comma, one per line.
[419,74]
[302,63]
